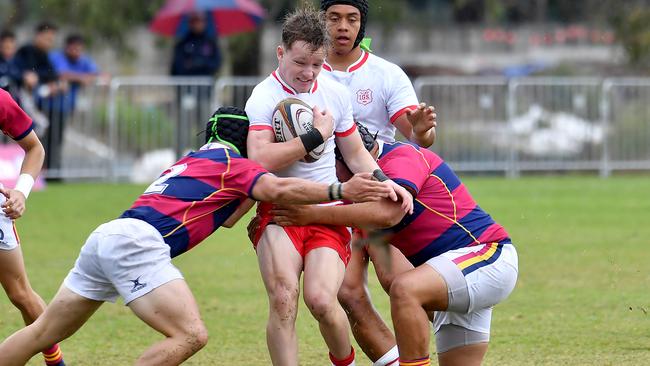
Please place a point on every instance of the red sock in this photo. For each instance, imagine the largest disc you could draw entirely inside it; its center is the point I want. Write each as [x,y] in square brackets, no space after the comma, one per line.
[53,355]
[349,360]
[424,361]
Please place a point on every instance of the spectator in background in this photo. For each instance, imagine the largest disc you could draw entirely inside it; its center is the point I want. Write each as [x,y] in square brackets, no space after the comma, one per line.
[9,72]
[41,81]
[196,53]
[34,62]
[74,67]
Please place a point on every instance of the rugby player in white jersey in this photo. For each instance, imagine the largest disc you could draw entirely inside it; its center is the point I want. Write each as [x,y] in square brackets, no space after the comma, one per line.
[384,101]
[320,251]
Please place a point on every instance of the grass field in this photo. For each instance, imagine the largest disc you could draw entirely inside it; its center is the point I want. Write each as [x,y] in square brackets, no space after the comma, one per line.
[582,296]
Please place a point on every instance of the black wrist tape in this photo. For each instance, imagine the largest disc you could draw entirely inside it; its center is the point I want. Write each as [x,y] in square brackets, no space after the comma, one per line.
[339,191]
[379,175]
[330,191]
[311,139]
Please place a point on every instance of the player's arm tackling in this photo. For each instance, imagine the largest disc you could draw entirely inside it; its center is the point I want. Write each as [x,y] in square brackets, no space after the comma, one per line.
[360,188]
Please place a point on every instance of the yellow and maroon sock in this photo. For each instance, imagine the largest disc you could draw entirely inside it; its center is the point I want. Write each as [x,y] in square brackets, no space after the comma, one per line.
[348,361]
[53,356]
[424,361]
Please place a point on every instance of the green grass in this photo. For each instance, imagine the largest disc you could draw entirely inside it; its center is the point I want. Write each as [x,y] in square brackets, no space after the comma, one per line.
[581,298]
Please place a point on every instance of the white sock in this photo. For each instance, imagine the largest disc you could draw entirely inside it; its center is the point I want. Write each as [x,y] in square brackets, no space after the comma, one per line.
[391,358]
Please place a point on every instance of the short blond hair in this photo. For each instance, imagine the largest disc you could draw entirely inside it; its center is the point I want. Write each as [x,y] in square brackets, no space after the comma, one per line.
[308,25]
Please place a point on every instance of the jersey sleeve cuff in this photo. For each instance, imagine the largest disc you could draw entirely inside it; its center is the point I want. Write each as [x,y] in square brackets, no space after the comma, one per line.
[347,132]
[397,114]
[260,128]
[24,134]
[250,190]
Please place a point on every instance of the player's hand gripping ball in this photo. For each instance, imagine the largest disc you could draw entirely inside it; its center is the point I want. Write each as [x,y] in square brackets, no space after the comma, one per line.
[291,118]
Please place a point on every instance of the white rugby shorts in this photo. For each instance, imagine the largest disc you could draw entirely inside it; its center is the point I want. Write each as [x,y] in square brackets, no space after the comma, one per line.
[478,277]
[124,257]
[8,236]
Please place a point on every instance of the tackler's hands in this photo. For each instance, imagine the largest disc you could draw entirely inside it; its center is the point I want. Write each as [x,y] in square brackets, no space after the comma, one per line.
[292,215]
[14,206]
[362,188]
[253,228]
[399,192]
[403,195]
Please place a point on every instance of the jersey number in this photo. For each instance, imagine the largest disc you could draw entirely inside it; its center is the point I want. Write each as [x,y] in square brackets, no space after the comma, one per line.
[159,185]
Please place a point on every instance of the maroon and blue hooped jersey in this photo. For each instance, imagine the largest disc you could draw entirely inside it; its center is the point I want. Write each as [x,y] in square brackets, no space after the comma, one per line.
[14,122]
[196,195]
[445,216]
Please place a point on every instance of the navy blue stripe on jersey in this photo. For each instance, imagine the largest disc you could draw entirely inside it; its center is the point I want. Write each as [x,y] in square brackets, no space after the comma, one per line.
[418,209]
[444,172]
[186,188]
[216,155]
[477,221]
[222,214]
[390,146]
[164,224]
[410,186]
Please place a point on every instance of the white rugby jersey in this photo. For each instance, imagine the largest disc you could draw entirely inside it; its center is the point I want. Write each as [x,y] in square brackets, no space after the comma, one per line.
[380,90]
[327,95]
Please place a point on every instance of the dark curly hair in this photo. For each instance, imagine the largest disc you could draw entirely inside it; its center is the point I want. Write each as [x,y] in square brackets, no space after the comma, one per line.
[362,5]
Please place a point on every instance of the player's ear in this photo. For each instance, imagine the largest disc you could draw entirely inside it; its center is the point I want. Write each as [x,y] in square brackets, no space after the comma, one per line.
[280,52]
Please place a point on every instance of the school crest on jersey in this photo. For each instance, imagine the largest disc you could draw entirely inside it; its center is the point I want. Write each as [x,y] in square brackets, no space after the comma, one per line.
[364,96]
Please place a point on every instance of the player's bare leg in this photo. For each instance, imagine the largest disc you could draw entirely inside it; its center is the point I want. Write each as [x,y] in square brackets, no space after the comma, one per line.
[470,355]
[280,266]
[370,331]
[389,263]
[412,294]
[13,278]
[171,310]
[324,271]
[16,285]
[65,315]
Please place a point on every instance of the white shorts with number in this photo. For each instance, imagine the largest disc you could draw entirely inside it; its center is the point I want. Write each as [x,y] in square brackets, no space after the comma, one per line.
[8,236]
[478,278]
[124,257]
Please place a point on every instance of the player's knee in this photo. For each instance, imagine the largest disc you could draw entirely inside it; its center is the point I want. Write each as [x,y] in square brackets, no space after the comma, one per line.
[402,291]
[354,300]
[283,298]
[196,336]
[21,297]
[320,304]
[386,279]
[350,293]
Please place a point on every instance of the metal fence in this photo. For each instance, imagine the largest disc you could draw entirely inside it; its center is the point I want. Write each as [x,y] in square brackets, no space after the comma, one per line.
[135,126]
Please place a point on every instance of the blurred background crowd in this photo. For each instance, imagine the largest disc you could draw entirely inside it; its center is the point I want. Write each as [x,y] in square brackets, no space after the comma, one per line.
[60,58]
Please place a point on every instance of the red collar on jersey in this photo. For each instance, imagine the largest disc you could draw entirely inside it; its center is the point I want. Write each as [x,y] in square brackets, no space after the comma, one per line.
[288,87]
[355,65]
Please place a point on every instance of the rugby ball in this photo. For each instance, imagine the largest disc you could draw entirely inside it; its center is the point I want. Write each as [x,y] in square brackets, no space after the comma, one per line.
[291,118]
